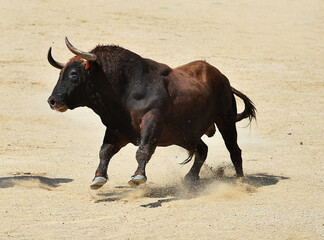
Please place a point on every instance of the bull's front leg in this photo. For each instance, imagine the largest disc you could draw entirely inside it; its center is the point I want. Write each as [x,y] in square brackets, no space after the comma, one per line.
[111,145]
[150,132]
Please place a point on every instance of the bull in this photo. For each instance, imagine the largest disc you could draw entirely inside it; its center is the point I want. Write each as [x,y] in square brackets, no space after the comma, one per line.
[149,104]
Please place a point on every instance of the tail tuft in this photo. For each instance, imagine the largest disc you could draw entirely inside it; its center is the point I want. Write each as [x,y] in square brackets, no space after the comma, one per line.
[249,110]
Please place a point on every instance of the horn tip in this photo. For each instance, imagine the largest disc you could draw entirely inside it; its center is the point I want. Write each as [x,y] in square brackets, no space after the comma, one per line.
[69,45]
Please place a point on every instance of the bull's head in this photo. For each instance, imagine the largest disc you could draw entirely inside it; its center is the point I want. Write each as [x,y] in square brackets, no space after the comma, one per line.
[74,80]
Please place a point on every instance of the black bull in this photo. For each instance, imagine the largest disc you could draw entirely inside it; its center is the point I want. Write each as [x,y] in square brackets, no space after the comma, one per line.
[149,104]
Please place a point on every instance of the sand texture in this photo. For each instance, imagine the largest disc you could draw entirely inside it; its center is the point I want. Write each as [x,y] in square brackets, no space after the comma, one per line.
[271,50]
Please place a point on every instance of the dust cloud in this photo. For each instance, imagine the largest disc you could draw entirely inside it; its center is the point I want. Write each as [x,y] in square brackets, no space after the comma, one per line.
[215,183]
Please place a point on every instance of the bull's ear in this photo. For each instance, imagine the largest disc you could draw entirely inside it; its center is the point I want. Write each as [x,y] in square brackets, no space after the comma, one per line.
[87,65]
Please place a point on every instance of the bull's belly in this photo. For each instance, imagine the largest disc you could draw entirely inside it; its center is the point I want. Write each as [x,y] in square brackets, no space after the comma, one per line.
[185,126]
[184,135]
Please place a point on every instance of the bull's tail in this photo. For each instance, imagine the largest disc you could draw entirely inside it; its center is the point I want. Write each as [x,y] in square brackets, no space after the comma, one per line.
[249,110]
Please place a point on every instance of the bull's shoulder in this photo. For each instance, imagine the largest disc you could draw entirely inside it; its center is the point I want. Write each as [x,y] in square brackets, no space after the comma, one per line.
[148,90]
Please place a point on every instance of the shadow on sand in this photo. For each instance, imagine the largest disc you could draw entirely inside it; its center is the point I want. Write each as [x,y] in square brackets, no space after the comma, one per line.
[187,191]
[181,190]
[32,181]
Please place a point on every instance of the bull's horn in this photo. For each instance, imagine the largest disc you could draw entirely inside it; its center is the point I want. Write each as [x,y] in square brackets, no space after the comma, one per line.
[85,55]
[52,61]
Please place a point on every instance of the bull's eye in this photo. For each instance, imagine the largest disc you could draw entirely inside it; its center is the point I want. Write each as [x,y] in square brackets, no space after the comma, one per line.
[73,75]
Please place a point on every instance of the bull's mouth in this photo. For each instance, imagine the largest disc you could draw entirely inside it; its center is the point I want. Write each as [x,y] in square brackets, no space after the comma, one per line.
[61,108]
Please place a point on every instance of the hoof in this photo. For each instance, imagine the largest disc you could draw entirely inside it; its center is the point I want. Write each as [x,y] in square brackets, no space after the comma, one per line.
[137,180]
[98,182]
[189,178]
[239,175]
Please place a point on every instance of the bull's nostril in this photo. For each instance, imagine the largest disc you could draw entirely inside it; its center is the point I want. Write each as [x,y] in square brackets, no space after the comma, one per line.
[51,101]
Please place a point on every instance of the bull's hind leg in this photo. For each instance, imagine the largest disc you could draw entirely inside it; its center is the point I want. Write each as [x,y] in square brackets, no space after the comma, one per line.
[201,151]
[228,130]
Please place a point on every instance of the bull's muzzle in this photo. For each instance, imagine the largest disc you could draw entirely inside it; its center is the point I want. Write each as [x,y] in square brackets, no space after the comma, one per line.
[56,105]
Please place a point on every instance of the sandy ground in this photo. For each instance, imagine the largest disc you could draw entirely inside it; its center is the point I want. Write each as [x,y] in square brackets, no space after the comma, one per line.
[271,50]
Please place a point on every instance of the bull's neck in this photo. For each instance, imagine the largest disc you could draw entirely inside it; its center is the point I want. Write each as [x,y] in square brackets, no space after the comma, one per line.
[115,69]
[106,103]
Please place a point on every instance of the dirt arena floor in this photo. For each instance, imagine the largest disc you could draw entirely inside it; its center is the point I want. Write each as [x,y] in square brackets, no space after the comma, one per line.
[271,50]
